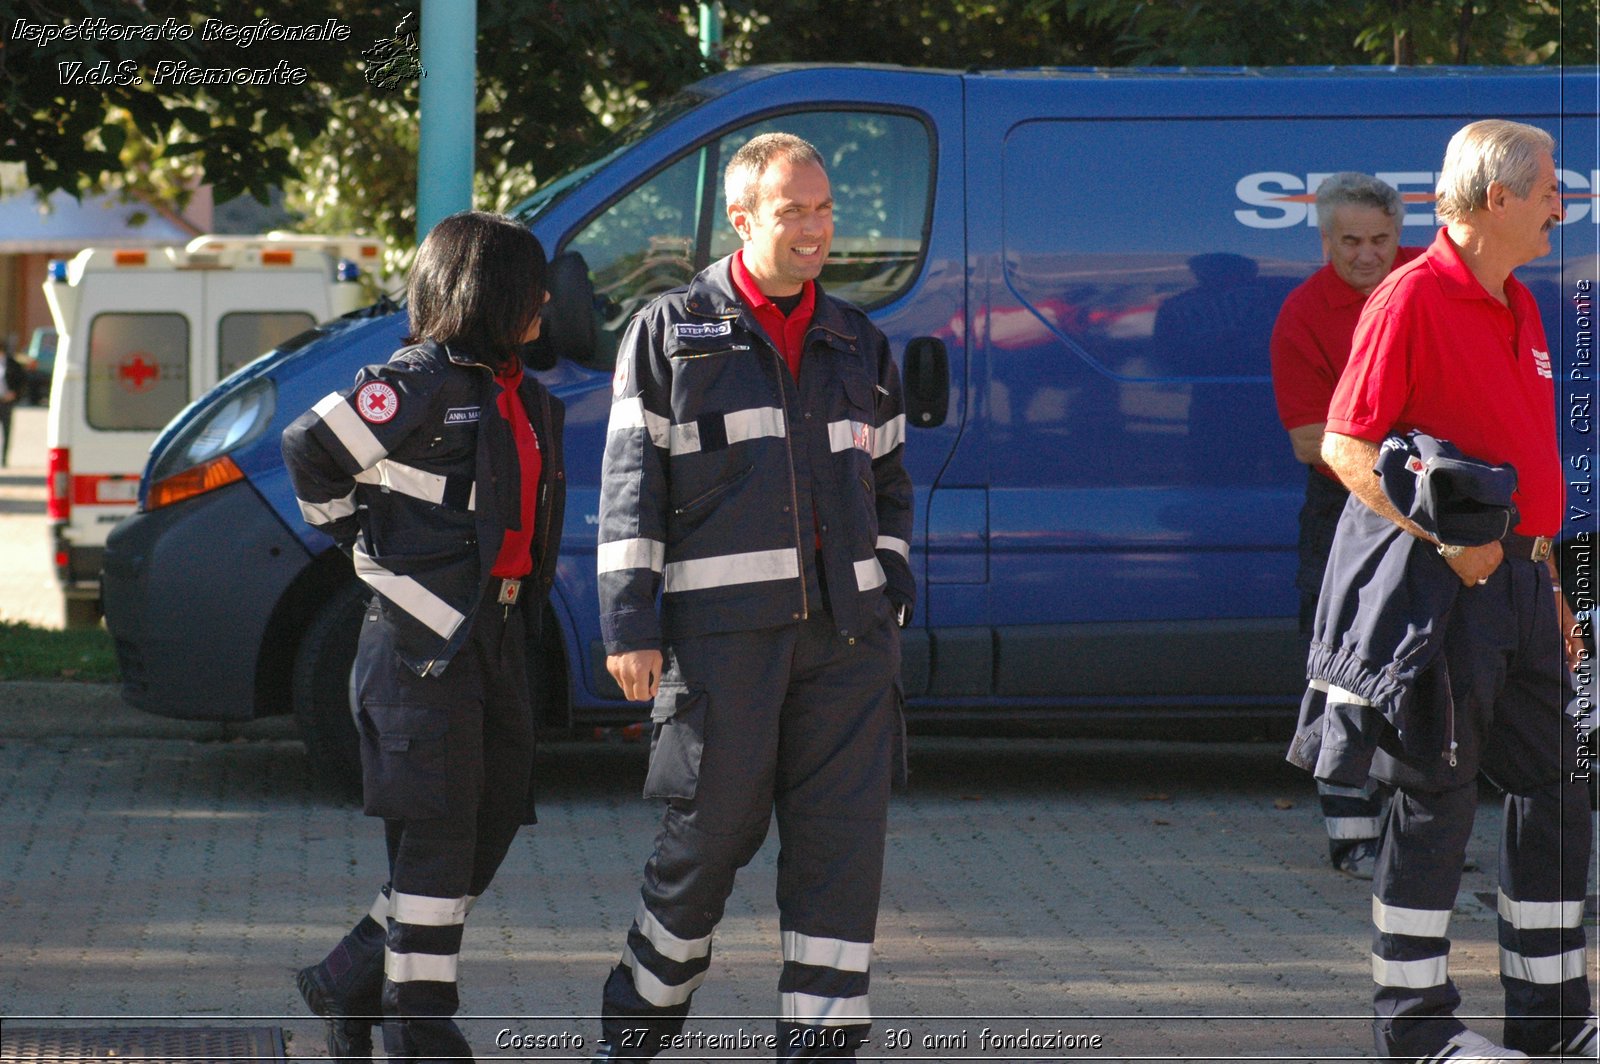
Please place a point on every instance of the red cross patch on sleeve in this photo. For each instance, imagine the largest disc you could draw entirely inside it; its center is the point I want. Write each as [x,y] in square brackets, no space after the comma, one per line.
[376,402]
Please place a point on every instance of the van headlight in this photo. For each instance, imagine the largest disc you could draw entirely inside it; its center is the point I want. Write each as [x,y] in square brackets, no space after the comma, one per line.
[196,461]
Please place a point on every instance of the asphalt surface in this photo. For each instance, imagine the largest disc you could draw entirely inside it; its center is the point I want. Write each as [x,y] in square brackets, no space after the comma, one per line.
[1043,899]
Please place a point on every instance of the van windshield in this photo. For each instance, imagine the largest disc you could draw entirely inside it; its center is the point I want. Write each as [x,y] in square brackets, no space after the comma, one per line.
[629,135]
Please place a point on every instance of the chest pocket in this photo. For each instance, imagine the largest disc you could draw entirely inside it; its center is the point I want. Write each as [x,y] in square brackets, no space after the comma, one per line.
[855,427]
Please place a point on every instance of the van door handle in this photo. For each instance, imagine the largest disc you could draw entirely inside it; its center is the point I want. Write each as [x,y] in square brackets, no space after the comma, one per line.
[927,382]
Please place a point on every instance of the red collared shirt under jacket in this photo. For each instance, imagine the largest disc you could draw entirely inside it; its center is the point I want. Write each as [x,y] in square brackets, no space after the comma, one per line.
[788,334]
[516,550]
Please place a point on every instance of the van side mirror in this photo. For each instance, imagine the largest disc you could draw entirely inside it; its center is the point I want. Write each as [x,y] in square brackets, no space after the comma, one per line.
[569,317]
[927,382]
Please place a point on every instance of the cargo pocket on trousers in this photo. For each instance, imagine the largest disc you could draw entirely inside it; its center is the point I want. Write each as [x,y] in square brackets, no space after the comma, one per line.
[676,742]
[404,761]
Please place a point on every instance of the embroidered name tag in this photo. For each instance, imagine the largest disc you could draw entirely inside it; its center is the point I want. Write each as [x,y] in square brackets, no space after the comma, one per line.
[697,331]
[460,415]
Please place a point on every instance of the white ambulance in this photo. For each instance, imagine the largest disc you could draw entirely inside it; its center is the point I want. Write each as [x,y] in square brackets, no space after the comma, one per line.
[145,331]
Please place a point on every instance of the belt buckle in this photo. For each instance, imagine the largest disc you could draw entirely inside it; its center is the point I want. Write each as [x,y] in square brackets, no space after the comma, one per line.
[509,590]
[1541,548]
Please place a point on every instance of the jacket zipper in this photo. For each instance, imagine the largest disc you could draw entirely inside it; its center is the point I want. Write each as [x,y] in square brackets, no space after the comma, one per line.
[794,492]
[541,535]
[716,490]
[735,349]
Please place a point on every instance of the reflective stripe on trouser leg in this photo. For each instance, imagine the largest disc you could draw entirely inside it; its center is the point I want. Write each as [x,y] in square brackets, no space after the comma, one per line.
[419,988]
[823,1009]
[687,882]
[1351,813]
[1544,861]
[1414,891]
[423,953]
[841,726]
[714,823]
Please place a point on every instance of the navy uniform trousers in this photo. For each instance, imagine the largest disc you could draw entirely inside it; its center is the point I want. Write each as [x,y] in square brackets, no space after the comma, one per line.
[447,761]
[1505,673]
[796,719]
[1351,814]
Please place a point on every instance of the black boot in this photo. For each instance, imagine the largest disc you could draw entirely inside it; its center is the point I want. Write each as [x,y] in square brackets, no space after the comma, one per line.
[346,989]
[435,1040]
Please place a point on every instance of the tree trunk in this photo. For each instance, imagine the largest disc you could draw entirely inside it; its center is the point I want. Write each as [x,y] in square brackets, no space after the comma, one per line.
[1464,33]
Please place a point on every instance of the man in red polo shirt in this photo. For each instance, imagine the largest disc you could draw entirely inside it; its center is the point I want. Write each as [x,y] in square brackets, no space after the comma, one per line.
[752,482]
[1360,218]
[1451,344]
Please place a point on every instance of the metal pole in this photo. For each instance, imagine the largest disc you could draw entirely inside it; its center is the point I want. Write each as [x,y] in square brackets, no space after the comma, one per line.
[710,28]
[448,106]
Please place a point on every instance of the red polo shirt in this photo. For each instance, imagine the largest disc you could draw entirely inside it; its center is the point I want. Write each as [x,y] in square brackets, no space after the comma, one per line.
[788,334]
[1434,351]
[1311,344]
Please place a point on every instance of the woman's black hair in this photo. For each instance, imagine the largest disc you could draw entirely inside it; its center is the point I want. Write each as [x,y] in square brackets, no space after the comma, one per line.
[477,285]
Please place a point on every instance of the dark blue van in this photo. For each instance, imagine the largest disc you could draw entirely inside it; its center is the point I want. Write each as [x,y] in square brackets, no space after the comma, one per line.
[1078,271]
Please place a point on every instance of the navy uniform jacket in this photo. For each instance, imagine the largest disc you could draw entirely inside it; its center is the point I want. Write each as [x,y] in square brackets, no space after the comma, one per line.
[722,472]
[414,473]
[1385,599]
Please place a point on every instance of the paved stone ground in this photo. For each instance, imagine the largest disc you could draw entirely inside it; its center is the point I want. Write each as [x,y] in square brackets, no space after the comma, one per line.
[1169,898]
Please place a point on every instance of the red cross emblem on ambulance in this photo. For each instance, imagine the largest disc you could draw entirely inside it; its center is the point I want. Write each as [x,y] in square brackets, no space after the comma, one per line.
[376,402]
[136,374]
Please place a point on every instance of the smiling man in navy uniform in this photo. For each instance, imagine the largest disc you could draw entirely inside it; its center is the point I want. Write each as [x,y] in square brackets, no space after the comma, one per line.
[753,478]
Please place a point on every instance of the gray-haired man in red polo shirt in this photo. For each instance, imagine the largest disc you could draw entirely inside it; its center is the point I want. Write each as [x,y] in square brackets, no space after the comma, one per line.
[1451,344]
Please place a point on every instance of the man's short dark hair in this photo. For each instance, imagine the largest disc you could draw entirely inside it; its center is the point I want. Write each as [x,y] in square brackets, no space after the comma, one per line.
[478,284]
[741,181]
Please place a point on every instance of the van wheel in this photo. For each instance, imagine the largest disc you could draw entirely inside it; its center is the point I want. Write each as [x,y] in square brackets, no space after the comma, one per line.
[320,688]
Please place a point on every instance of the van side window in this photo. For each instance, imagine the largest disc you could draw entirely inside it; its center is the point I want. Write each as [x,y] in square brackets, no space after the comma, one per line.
[243,336]
[880,167]
[659,234]
[137,371]
[642,245]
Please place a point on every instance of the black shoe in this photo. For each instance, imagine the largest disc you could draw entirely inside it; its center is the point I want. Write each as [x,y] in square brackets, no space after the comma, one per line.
[349,1037]
[436,1040]
[346,989]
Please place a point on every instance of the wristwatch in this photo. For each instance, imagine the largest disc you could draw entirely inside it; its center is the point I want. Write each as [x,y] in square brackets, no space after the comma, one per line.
[1447,550]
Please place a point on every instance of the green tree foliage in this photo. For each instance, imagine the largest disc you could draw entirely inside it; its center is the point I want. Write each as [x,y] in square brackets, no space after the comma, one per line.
[553,79]
[556,77]
[958,34]
[1316,32]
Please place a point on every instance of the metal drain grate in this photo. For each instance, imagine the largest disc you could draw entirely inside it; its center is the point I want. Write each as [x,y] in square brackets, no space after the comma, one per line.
[151,1045]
